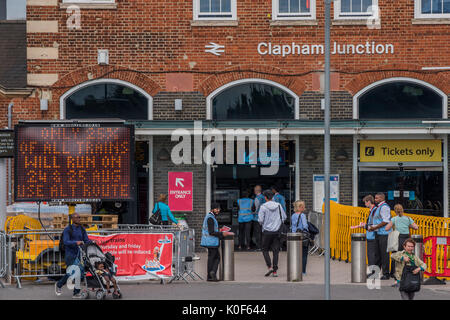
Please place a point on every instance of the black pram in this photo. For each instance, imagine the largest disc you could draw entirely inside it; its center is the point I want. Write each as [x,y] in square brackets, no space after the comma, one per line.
[91,254]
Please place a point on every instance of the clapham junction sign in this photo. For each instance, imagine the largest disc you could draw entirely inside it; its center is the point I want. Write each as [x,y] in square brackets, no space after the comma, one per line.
[369,48]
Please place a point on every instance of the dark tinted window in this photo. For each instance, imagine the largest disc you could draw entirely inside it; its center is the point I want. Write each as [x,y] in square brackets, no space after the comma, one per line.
[107,101]
[400,100]
[253,101]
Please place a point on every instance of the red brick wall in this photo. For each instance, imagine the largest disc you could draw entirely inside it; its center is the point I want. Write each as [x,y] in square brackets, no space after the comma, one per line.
[152,38]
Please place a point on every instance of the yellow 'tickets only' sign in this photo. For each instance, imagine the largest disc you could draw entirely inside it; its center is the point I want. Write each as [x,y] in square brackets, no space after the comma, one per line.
[400,150]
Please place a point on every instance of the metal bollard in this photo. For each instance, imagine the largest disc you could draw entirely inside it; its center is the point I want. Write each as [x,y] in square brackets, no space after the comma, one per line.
[294,256]
[359,272]
[418,249]
[227,261]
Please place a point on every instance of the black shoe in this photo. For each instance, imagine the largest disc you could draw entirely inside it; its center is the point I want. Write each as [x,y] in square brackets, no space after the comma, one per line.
[269,273]
[212,277]
[385,277]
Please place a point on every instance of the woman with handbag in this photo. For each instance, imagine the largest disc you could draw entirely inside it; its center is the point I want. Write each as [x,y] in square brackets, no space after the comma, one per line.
[299,223]
[402,224]
[164,210]
[408,269]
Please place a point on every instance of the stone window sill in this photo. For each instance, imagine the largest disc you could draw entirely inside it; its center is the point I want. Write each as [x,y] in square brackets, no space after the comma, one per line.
[214,23]
[66,5]
[351,22]
[431,21]
[276,23]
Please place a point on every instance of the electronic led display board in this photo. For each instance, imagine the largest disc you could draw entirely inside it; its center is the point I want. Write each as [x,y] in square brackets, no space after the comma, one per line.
[74,162]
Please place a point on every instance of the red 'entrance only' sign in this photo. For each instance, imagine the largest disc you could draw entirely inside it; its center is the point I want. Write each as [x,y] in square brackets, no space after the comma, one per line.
[180,191]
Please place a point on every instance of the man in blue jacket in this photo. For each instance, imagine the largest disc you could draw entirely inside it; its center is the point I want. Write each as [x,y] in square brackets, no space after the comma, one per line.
[74,235]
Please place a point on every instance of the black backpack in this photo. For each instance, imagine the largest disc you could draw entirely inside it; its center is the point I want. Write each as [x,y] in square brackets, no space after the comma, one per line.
[156,218]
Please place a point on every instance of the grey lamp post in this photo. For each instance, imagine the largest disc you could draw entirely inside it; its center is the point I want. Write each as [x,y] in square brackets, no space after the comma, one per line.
[327,149]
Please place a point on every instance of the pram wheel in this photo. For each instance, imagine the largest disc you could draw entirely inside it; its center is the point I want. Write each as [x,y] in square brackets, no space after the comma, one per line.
[85,294]
[100,295]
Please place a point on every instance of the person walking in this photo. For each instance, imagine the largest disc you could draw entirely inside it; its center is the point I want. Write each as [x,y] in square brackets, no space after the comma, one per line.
[74,235]
[166,214]
[256,227]
[245,217]
[211,237]
[402,224]
[404,258]
[271,216]
[299,223]
[381,218]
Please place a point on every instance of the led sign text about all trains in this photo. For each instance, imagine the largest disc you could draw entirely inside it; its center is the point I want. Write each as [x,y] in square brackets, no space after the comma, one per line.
[72,163]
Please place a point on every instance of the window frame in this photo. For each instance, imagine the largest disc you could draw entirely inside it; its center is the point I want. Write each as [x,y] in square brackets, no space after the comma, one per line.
[419,15]
[399,79]
[290,16]
[338,15]
[196,13]
[21,18]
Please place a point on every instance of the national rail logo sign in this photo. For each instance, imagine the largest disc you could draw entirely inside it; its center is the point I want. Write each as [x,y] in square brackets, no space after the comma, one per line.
[74,162]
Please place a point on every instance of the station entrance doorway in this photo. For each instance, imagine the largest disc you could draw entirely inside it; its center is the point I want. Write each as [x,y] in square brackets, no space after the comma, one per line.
[229,182]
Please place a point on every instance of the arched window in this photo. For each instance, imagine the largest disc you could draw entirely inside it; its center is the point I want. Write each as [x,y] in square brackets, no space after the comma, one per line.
[107,100]
[400,99]
[253,101]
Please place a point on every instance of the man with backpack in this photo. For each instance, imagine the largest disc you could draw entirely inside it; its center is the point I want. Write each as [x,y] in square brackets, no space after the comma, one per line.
[73,236]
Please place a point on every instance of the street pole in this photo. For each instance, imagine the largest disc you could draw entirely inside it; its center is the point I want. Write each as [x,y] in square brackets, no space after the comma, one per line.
[327,149]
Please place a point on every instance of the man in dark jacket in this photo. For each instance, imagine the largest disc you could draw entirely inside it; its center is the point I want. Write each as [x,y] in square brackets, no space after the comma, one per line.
[211,237]
[74,235]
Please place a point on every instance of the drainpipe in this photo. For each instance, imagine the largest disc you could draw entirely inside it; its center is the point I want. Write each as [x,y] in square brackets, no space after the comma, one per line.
[9,159]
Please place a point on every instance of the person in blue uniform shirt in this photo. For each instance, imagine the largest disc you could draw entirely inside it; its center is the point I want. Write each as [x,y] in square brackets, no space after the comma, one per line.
[245,218]
[211,237]
[381,219]
[278,197]
[373,256]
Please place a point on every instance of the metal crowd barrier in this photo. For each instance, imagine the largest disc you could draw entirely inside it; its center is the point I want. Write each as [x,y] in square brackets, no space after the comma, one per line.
[316,218]
[342,217]
[34,254]
[3,257]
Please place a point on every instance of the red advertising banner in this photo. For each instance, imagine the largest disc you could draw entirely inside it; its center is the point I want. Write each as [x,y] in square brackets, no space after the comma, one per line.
[180,191]
[139,256]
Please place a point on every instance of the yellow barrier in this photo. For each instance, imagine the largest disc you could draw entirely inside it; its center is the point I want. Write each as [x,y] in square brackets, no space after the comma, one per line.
[342,217]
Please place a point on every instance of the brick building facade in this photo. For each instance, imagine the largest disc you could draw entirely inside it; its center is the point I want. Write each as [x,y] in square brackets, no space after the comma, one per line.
[170,50]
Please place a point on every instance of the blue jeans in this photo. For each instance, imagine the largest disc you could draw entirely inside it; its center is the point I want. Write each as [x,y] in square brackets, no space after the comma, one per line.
[71,261]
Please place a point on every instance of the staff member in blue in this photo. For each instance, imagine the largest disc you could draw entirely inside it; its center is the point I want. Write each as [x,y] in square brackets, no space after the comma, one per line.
[245,218]
[373,256]
[381,218]
[211,237]
[278,197]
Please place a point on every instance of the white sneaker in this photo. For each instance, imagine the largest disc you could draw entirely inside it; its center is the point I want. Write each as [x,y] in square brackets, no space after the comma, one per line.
[58,290]
[77,296]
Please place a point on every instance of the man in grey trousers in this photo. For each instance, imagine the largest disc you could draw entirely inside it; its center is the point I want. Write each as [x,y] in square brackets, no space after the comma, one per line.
[271,215]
